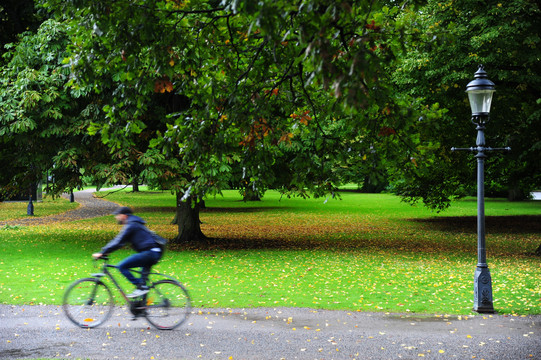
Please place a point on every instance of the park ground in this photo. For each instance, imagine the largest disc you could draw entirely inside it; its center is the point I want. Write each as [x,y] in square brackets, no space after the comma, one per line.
[284,275]
[365,252]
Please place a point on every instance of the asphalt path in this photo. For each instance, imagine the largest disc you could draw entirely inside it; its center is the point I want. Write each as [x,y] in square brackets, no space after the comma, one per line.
[264,333]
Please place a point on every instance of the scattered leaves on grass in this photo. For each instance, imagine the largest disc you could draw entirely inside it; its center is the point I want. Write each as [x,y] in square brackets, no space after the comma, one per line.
[271,257]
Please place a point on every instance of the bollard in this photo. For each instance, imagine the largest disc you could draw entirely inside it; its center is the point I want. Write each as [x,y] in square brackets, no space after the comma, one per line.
[30,208]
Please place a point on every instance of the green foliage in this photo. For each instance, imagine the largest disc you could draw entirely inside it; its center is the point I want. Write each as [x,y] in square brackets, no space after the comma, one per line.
[273,94]
[41,126]
[201,96]
[457,37]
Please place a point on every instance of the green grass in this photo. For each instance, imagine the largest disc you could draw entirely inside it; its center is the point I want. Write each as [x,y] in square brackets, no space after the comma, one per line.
[365,252]
[18,209]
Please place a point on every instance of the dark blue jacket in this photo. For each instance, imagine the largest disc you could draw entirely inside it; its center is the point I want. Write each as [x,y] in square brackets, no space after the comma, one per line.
[134,232]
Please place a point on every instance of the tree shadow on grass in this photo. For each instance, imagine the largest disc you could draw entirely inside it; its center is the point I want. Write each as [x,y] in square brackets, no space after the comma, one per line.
[251,244]
[372,240]
[393,247]
[523,224]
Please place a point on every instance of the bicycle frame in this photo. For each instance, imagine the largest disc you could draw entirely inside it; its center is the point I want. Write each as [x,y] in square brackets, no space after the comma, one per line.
[108,274]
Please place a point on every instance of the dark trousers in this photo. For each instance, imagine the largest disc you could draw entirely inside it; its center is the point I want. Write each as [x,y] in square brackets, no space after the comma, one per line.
[144,260]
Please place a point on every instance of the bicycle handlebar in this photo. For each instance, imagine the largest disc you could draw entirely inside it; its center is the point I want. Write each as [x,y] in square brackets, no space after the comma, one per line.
[103,257]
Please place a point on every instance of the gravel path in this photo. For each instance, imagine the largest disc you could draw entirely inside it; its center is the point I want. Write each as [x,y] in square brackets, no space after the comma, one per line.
[89,207]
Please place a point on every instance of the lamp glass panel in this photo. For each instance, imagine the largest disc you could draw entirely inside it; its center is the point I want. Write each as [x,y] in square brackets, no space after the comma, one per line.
[480,100]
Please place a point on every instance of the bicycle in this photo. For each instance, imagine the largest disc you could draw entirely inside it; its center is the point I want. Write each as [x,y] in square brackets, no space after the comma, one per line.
[89,302]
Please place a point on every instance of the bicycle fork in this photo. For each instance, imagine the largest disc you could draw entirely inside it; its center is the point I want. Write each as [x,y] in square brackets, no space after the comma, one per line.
[97,277]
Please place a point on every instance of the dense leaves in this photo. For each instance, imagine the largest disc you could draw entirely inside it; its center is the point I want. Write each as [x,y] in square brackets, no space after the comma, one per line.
[460,35]
[302,97]
[201,96]
[43,123]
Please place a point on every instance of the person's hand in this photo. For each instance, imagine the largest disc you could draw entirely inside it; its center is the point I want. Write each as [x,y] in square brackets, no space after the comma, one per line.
[97,255]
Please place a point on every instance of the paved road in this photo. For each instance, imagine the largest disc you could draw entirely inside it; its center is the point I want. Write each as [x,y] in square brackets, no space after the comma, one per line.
[282,333]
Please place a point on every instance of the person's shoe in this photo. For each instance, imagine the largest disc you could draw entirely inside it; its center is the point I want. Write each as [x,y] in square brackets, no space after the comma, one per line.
[140,291]
[138,315]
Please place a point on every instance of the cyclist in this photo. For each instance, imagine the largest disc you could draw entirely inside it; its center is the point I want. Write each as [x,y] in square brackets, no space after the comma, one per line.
[142,241]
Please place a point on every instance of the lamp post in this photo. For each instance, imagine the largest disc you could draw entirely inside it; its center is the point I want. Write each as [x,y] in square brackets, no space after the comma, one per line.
[480,91]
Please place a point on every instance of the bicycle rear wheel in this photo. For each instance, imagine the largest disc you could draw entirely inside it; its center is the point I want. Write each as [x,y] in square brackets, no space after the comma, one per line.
[167,304]
[88,302]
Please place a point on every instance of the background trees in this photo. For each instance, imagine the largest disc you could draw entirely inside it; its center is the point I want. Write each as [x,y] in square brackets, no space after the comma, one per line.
[43,125]
[298,88]
[459,35]
[303,97]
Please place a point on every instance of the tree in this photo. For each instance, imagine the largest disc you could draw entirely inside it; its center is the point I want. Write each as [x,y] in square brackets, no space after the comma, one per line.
[43,125]
[460,35]
[310,87]
[301,84]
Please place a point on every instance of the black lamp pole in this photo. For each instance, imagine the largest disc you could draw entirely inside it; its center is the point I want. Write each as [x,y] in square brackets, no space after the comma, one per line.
[480,91]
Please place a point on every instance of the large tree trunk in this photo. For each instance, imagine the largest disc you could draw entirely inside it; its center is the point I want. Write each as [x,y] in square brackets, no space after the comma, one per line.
[187,219]
[135,184]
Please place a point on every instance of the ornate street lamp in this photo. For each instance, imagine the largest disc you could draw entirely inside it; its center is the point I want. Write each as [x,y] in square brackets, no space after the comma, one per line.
[480,91]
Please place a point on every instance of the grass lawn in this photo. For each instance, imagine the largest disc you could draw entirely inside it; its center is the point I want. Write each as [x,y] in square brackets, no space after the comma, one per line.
[365,252]
[18,209]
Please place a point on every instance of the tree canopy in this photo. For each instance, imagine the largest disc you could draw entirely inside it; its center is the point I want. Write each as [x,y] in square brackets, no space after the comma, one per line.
[198,96]
[460,35]
[290,96]
[43,125]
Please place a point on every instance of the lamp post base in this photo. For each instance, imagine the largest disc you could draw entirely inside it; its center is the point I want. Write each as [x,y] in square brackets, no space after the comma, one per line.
[482,291]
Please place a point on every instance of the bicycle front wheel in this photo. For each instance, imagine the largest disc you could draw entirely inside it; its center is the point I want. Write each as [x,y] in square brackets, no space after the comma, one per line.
[167,304]
[88,302]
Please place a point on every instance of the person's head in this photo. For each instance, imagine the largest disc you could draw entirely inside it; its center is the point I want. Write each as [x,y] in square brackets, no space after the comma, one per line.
[122,214]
